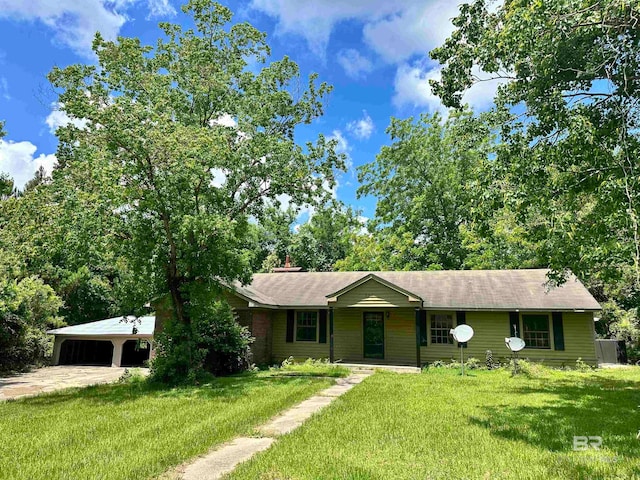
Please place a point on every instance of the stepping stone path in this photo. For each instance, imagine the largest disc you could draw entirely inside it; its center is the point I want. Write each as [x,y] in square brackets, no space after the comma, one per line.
[226,457]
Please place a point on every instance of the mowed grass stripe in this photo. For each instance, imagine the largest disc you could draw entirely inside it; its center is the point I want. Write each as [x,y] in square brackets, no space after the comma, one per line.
[134,431]
[488,425]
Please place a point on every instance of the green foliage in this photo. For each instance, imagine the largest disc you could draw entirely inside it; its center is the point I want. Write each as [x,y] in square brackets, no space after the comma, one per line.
[564,182]
[214,342]
[6,186]
[423,182]
[27,309]
[180,184]
[326,237]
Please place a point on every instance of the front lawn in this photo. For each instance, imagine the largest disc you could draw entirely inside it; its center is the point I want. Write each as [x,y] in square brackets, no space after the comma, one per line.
[487,425]
[136,431]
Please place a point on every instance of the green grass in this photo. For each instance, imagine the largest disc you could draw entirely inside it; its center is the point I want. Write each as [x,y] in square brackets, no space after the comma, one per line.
[311,367]
[136,430]
[487,425]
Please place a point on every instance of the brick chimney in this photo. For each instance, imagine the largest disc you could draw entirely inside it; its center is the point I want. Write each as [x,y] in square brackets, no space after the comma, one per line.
[287,267]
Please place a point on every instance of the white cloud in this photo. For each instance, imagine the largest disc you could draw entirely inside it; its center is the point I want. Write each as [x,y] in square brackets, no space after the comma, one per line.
[363,128]
[225,120]
[75,22]
[395,30]
[315,20]
[353,63]
[417,28]
[4,88]
[412,88]
[59,118]
[18,160]
[342,146]
[218,177]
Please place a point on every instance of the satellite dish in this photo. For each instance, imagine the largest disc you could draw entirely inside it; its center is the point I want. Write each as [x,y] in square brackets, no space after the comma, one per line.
[515,344]
[462,333]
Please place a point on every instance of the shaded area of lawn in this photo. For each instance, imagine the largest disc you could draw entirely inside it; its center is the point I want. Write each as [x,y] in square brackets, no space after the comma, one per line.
[440,426]
[132,431]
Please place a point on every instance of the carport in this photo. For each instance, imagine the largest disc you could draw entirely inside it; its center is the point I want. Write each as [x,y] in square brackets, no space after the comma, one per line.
[116,342]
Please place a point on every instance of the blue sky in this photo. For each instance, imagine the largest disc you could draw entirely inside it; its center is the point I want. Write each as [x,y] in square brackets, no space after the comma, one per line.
[374,52]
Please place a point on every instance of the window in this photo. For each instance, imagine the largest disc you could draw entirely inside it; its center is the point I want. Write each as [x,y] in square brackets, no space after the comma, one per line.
[536,331]
[307,326]
[441,324]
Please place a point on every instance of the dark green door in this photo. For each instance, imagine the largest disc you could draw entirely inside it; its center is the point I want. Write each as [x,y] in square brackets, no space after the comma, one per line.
[373,329]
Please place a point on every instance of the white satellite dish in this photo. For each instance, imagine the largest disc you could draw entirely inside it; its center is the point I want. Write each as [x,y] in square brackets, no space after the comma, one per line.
[515,344]
[462,333]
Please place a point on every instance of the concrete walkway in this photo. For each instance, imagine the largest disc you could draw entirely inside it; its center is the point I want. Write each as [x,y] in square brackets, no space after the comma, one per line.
[49,379]
[226,457]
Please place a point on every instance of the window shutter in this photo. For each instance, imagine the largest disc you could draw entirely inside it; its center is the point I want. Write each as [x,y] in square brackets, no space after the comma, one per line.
[514,320]
[423,328]
[461,319]
[322,335]
[290,325]
[558,331]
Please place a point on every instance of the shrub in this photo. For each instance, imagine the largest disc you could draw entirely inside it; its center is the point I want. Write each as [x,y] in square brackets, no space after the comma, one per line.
[27,309]
[583,366]
[472,363]
[438,364]
[213,343]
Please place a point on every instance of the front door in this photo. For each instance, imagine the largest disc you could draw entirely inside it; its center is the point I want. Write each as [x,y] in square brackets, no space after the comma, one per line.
[373,333]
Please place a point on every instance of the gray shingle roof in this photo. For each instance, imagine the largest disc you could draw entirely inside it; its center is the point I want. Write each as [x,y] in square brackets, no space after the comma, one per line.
[110,326]
[457,290]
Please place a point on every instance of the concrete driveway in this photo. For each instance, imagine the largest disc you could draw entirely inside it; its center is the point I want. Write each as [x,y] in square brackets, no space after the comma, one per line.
[49,379]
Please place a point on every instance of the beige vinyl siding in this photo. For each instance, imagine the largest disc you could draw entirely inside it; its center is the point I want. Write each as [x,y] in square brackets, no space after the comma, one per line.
[299,350]
[372,294]
[491,328]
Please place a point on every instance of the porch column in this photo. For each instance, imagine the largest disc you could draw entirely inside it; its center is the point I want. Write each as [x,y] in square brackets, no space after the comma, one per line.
[57,346]
[418,362]
[116,360]
[331,334]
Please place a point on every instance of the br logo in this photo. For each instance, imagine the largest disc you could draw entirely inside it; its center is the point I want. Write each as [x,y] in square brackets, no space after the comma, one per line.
[581,443]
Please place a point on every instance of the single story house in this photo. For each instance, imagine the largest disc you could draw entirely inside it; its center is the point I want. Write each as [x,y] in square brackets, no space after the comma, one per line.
[405,318]
[112,342]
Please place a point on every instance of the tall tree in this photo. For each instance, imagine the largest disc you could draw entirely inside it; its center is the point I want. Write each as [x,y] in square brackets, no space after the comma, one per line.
[569,159]
[422,183]
[190,143]
[326,237]
[568,116]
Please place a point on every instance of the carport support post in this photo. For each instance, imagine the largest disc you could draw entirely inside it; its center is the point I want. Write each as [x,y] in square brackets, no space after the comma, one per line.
[331,335]
[116,360]
[57,346]
[418,361]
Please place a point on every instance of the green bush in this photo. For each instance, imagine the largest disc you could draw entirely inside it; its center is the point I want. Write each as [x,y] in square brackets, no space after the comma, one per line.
[472,363]
[27,309]
[213,343]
